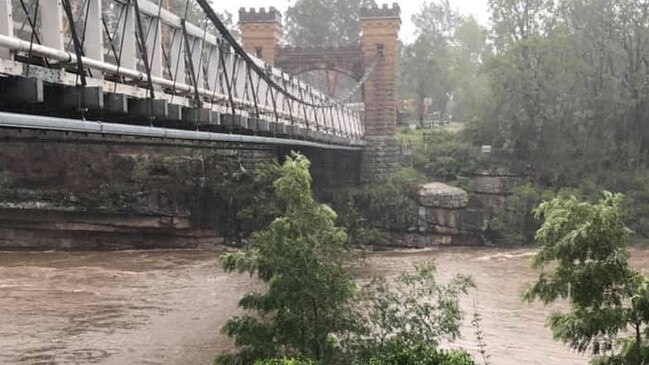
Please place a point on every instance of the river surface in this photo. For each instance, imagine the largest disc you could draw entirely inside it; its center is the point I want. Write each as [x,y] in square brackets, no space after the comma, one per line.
[166,307]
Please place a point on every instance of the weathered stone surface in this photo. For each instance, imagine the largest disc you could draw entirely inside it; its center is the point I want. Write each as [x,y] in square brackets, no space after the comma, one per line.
[491,188]
[439,195]
[36,229]
[493,184]
[260,32]
[442,218]
[69,195]
[418,240]
[380,158]
[84,196]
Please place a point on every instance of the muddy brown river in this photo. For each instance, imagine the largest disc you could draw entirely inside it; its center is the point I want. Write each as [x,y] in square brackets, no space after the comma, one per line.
[166,307]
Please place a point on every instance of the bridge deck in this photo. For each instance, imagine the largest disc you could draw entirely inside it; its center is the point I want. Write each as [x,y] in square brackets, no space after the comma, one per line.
[129,64]
[169,136]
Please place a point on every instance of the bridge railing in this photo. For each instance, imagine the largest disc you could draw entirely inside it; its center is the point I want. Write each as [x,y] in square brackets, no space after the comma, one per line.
[139,49]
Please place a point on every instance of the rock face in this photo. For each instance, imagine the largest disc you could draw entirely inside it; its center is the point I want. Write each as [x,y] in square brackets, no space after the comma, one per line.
[105,197]
[493,186]
[441,216]
[124,193]
[439,195]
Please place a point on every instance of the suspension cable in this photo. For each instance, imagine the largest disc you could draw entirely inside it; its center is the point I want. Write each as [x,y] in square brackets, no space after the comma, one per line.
[225,33]
[78,46]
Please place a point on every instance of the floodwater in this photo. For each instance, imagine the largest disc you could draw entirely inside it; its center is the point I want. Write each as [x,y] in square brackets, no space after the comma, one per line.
[166,307]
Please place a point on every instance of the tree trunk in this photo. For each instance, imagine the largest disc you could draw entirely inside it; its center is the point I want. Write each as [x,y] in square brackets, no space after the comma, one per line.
[421,110]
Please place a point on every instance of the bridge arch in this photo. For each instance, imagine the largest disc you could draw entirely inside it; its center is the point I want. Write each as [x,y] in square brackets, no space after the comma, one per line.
[380,26]
[347,60]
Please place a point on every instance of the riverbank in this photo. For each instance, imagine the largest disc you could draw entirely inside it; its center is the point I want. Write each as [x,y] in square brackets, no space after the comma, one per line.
[166,307]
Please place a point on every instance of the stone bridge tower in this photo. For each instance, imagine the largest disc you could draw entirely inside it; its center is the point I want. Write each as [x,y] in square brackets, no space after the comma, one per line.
[380,35]
[260,33]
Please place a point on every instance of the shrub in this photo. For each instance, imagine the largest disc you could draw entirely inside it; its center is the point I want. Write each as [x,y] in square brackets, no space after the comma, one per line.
[390,206]
[515,224]
[300,256]
[414,308]
[286,362]
[397,353]
[444,155]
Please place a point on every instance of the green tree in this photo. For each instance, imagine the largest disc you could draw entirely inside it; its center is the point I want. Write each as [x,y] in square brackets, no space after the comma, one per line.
[427,62]
[585,246]
[396,353]
[300,256]
[324,23]
[415,309]
[517,20]
[468,52]
[421,75]
[567,79]
[285,362]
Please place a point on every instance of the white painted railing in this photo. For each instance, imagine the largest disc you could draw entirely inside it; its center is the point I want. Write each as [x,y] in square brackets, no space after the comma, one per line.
[188,64]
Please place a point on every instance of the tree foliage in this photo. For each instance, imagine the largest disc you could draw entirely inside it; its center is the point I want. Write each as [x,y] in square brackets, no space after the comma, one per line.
[300,256]
[441,64]
[324,23]
[397,353]
[312,310]
[285,362]
[568,87]
[584,244]
[414,309]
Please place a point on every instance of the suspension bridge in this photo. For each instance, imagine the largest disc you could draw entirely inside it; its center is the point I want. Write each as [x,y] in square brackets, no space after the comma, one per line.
[138,70]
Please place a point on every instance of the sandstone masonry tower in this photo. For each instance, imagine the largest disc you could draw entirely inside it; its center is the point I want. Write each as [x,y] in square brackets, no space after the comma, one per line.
[380,33]
[260,32]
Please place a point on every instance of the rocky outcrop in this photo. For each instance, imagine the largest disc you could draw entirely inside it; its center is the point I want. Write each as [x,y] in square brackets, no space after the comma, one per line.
[104,197]
[442,217]
[493,186]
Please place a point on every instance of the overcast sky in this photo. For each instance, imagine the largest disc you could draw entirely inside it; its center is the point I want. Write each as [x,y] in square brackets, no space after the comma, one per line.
[408,7]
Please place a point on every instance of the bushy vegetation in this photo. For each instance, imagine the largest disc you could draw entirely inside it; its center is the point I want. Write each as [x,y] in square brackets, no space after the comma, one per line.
[441,154]
[389,207]
[584,258]
[312,310]
[413,309]
[286,362]
[515,224]
[300,256]
[398,353]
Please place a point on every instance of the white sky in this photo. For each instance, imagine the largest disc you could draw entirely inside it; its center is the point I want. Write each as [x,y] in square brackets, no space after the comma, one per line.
[408,7]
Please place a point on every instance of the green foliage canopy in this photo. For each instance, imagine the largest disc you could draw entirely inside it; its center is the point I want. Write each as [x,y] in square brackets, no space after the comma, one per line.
[300,256]
[586,245]
[324,23]
[396,353]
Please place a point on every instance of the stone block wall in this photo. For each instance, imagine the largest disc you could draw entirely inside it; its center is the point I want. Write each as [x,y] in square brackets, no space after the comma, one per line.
[380,158]
[380,36]
[492,188]
[443,218]
[261,31]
